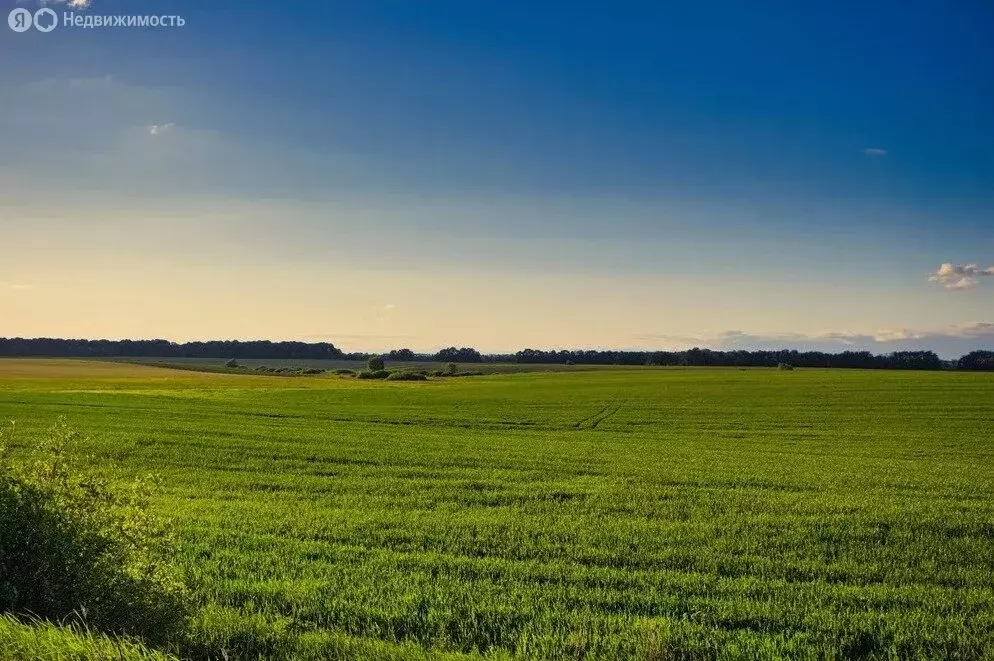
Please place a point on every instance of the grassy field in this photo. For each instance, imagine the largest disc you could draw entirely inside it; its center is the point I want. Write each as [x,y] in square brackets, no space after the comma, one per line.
[602,514]
[357,365]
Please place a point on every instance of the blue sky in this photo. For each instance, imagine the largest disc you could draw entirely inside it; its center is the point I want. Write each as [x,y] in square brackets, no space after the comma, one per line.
[504,175]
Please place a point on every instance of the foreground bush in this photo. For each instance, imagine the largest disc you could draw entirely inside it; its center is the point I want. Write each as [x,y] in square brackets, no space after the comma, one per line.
[73,550]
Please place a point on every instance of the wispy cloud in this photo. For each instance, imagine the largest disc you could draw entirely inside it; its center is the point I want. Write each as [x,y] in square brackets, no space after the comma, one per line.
[875,151]
[16,286]
[386,313]
[956,276]
[159,129]
[335,337]
[951,341]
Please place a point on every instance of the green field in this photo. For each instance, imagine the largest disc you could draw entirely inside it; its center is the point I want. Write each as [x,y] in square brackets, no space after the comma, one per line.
[602,514]
[356,365]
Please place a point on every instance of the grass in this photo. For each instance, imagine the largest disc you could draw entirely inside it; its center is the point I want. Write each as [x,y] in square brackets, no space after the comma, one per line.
[44,641]
[248,364]
[602,514]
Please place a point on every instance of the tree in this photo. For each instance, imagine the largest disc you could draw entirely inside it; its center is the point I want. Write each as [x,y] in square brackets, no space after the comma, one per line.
[464,355]
[977,360]
[375,364]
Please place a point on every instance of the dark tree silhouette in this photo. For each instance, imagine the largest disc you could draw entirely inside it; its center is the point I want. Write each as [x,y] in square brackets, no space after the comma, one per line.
[164,349]
[402,354]
[977,360]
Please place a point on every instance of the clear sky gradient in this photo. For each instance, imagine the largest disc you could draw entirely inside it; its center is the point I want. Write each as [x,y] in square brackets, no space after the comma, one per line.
[504,174]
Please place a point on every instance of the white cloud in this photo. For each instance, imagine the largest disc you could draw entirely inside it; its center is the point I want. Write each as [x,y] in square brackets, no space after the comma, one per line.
[956,276]
[159,129]
[75,4]
[875,151]
[16,286]
[897,335]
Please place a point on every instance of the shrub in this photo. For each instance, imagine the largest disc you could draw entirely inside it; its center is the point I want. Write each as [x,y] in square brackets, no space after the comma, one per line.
[407,375]
[447,373]
[451,368]
[375,364]
[232,363]
[378,374]
[71,549]
[344,372]
[313,370]
[786,367]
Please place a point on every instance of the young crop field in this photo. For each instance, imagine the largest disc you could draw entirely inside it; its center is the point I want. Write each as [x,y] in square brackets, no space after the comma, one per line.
[597,514]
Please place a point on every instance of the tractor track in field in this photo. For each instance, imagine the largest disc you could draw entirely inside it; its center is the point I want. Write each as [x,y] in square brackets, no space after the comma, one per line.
[608,414]
[579,424]
[591,421]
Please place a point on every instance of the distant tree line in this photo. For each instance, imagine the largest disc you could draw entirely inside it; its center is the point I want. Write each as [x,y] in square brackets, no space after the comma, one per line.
[917,360]
[229,349]
[164,349]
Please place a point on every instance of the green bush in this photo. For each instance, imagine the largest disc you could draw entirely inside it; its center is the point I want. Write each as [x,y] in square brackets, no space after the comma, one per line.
[375,364]
[407,375]
[73,550]
[378,374]
[232,363]
[344,372]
